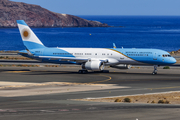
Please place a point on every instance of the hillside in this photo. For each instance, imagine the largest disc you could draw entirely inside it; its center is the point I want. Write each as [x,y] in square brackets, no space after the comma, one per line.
[36,16]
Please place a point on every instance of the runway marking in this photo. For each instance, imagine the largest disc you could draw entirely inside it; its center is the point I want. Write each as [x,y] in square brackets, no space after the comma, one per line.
[168,79]
[166,87]
[63,110]
[156,93]
[109,78]
[16,71]
[75,109]
[7,110]
[47,111]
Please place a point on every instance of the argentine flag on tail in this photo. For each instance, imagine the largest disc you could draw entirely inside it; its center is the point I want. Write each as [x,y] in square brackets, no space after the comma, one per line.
[30,40]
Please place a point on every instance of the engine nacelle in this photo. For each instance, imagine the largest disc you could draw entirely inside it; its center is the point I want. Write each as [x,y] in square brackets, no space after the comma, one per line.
[93,65]
[122,66]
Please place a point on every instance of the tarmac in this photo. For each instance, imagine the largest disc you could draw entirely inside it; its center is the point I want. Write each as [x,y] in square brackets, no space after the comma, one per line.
[43,93]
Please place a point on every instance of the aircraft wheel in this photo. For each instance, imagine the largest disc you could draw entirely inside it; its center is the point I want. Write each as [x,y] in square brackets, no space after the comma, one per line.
[80,71]
[105,71]
[154,73]
[83,71]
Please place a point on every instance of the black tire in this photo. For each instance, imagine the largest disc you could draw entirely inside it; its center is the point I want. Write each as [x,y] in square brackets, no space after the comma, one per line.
[80,71]
[105,71]
[154,73]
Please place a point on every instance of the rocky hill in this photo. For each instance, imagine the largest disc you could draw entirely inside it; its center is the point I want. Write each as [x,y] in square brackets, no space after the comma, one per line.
[36,16]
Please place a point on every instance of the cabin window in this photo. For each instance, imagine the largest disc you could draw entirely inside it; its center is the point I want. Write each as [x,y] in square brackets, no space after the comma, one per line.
[166,55]
[87,53]
[78,53]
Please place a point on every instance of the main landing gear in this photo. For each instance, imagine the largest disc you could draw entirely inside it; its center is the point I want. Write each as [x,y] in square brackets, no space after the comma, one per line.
[85,71]
[82,71]
[155,70]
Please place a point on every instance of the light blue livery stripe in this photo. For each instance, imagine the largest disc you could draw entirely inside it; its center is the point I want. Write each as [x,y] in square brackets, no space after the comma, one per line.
[33,45]
[21,22]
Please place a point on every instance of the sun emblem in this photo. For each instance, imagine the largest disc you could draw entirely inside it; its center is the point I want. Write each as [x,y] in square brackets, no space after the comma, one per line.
[25,34]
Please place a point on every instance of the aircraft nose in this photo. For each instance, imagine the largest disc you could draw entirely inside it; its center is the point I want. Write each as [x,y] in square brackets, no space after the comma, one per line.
[173,60]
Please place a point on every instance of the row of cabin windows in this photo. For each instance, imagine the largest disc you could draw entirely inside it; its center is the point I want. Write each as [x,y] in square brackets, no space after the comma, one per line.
[78,54]
[62,53]
[106,54]
[37,51]
[137,54]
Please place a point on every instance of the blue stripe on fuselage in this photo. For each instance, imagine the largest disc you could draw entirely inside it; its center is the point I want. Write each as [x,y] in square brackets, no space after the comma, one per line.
[56,52]
[33,45]
[49,52]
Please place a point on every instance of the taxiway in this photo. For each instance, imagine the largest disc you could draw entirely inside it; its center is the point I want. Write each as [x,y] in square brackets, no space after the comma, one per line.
[56,101]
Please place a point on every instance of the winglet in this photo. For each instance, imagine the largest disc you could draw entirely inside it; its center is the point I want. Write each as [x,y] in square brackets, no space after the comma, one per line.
[114,46]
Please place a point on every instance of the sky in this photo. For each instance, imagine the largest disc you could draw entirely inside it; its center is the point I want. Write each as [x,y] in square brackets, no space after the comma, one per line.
[110,7]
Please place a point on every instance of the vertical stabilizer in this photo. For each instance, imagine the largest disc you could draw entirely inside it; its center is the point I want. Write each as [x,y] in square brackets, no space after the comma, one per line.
[30,40]
[114,45]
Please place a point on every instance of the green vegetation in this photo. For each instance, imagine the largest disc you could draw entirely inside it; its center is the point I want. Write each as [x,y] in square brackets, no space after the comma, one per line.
[19,65]
[25,65]
[127,100]
[166,67]
[163,102]
[167,102]
[51,65]
[117,100]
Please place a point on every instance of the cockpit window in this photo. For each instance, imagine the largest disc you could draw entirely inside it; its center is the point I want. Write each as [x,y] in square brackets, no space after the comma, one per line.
[166,55]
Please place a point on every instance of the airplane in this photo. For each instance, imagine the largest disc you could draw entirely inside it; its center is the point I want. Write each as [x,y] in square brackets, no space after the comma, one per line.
[94,59]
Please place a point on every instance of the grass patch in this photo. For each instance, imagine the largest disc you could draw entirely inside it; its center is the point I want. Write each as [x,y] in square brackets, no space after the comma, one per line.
[51,65]
[127,100]
[163,102]
[19,65]
[14,58]
[166,67]
[118,100]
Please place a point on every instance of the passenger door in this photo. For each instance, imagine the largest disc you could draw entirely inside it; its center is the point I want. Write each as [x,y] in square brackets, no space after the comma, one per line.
[155,56]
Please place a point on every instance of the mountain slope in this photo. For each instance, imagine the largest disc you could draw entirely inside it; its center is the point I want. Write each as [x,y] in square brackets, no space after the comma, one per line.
[36,16]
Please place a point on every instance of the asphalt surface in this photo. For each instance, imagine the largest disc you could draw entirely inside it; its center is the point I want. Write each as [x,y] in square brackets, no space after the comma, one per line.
[35,62]
[63,106]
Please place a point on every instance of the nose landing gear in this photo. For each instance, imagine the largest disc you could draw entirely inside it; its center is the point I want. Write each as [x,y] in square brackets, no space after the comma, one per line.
[155,70]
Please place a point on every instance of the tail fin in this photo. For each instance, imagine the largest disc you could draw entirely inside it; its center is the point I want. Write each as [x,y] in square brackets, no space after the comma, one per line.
[30,40]
[114,45]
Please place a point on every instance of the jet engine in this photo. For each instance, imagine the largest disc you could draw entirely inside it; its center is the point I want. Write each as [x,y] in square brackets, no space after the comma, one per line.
[93,65]
[122,66]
